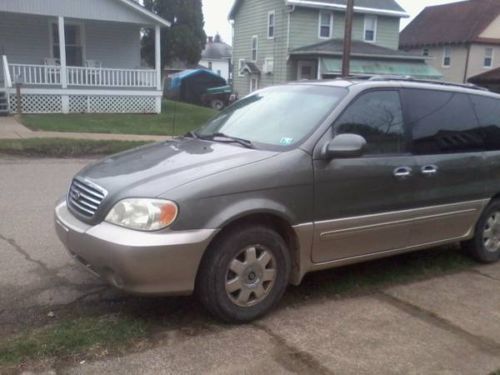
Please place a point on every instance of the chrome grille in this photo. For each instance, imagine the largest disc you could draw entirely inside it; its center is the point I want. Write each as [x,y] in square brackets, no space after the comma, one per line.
[85,197]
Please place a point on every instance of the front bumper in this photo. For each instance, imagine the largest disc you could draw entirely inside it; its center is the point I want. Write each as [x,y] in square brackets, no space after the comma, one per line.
[137,262]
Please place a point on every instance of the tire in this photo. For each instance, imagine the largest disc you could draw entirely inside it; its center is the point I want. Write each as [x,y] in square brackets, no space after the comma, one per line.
[217,104]
[236,282]
[485,246]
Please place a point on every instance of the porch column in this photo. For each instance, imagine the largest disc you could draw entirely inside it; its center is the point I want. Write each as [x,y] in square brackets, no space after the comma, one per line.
[158,56]
[62,53]
[159,85]
[64,71]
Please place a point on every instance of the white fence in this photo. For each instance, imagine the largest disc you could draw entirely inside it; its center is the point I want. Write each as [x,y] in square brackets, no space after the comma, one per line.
[50,75]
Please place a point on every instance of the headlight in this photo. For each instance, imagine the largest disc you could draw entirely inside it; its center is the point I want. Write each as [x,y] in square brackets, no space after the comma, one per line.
[143,214]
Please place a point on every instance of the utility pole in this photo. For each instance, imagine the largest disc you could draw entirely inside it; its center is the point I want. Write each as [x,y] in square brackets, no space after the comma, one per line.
[346,58]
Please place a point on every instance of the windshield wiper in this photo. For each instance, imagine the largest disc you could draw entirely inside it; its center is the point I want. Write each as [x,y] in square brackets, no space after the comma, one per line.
[192,134]
[227,138]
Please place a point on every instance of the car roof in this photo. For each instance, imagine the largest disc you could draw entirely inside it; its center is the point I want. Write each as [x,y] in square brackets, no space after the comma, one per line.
[397,82]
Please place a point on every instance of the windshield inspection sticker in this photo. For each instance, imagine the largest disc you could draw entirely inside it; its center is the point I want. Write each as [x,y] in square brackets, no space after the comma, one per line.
[286,141]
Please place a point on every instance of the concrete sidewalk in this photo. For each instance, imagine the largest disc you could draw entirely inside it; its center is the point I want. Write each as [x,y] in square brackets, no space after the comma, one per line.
[446,325]
[10,128]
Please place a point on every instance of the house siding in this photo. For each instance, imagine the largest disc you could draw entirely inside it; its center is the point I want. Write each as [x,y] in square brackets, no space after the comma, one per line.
[476,60]
[303,25]
[116,45]
[304,28]
[251,20]
[104,10]
[25,39]
[456,72]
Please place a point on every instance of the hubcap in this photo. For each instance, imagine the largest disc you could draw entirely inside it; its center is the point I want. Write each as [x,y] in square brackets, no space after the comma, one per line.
[491,233]
[251,276]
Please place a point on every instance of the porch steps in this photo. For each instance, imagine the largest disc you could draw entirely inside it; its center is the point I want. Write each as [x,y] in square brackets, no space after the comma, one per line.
[4,105]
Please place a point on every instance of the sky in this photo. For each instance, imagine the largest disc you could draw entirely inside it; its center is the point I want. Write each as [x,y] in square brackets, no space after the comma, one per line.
[216,12]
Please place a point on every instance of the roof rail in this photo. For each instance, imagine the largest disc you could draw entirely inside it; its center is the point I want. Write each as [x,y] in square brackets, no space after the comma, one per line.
[431,81]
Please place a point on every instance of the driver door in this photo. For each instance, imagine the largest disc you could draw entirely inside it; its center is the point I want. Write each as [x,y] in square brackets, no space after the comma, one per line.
[364,205]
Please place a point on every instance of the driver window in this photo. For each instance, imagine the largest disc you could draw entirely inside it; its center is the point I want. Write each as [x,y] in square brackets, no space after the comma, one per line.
[377,117]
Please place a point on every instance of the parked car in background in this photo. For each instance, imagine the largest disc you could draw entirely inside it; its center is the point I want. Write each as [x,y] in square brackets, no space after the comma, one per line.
[199,86]
[289,180]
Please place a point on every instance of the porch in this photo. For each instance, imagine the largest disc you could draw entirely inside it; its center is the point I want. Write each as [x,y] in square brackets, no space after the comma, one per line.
[71,65]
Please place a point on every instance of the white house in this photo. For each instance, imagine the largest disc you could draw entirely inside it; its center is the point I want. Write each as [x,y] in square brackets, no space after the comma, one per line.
[75,56]
[217,57]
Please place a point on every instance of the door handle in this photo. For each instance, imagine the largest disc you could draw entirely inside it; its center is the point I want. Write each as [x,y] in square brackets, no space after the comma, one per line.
[429,170]
[402,172]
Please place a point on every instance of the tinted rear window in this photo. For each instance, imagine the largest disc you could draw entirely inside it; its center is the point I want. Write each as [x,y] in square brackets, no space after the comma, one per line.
[488,114]
[442,122]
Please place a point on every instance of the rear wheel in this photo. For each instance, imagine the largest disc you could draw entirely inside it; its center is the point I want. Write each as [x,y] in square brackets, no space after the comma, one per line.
[485,247]
[217,104]
[244,274]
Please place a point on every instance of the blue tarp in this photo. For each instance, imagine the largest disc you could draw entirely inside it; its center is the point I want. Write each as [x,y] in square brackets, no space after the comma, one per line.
[177,78]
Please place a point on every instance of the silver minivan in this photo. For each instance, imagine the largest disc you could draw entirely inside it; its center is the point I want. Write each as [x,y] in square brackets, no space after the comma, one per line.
[290,180]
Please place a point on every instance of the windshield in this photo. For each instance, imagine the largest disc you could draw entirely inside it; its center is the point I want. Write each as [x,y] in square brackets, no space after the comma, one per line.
[279,116]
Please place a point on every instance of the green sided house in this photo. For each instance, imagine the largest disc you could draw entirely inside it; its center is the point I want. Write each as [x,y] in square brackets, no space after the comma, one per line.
[277,41]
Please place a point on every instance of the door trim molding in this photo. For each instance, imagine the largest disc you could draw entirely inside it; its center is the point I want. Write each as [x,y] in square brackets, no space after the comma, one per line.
[350,225]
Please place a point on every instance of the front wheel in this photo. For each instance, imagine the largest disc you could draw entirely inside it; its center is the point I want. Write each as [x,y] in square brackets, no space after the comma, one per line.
[244,274]
[485,246]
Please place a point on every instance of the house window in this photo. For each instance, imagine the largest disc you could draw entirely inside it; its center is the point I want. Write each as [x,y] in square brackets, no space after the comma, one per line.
[370,28]
[269,65]
[425,52]
[488,57]
[255,46]
[447,57]
[271,20]
[241,65]
[325,25]
[254,84]
[74,44]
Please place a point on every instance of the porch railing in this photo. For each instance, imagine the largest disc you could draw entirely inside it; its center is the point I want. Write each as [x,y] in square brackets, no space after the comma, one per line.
[50,75]
[105,77]
[46,75]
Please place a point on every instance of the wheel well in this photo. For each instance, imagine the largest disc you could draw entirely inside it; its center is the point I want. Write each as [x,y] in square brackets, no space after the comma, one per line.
[280,225]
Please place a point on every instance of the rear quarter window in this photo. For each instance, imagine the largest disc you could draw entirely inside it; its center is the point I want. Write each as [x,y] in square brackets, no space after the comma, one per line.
[442,122]
[488,113]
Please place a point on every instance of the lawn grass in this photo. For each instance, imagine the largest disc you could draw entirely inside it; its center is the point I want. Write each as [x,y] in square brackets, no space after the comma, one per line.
[64,148]
[376,275]
[176,119]
[70,337]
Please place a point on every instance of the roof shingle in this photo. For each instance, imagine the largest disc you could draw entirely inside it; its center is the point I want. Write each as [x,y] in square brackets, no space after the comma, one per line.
[454,23]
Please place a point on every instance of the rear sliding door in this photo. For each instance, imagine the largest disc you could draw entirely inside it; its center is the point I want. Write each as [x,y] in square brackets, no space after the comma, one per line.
[450,178]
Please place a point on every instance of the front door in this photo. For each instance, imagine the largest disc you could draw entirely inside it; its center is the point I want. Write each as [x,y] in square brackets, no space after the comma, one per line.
[306,70]
[364,205]
[451,172]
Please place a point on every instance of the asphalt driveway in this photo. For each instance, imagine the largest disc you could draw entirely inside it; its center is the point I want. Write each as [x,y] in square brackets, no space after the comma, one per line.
[447,324]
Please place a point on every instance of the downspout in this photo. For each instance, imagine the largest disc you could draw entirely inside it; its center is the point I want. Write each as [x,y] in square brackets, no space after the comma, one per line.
[467,60]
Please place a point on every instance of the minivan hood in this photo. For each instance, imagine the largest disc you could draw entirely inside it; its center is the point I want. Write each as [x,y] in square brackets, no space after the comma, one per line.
[152,170]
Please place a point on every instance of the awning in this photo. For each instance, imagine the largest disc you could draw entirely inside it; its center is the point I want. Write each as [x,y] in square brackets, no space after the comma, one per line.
[418,70]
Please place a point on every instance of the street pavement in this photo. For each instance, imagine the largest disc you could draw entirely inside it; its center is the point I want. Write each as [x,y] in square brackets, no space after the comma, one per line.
[444,325]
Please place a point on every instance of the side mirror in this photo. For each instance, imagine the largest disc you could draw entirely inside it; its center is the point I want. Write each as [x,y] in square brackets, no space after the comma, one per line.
[344,146]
